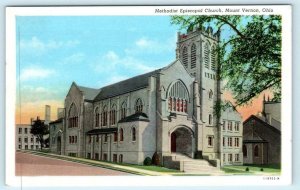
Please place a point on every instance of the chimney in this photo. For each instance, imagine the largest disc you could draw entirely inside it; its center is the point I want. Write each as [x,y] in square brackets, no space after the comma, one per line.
[47,114]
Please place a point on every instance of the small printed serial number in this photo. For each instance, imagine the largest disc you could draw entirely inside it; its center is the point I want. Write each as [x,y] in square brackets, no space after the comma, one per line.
[271,178]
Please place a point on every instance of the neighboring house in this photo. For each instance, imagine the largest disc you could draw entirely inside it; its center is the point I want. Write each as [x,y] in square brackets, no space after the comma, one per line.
[262,135]
[24,139]
[166,112]
[56,139]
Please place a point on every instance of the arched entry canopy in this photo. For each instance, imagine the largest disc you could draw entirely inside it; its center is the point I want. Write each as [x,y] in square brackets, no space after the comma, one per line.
[182,140]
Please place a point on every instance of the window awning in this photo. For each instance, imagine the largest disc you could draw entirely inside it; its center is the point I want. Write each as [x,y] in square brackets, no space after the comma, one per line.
[102,131]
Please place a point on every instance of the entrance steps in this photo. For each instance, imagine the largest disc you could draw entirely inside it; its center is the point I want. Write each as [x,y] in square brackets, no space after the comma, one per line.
[195,166]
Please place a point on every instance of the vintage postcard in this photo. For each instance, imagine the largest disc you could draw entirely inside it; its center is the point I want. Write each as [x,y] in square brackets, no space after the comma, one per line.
[117,92]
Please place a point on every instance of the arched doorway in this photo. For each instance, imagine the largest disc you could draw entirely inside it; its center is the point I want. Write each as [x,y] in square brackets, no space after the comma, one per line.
[182,141]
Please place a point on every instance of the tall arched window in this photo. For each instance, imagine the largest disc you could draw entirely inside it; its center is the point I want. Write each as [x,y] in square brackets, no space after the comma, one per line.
[256,151]
[123,110]
[193,56]
[245,153]
[73,116]
[97,117]
[121,134]
[113,114]
[103,121]
[133,134]
[178,97]
[185,57]
[138,106]
[213,58]
[206,55]
[210,118]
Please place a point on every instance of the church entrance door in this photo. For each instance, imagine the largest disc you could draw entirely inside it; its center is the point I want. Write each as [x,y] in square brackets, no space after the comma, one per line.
[182,141]
[173,142]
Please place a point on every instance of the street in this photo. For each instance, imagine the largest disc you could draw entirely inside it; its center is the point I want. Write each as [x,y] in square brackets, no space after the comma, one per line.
[33,165]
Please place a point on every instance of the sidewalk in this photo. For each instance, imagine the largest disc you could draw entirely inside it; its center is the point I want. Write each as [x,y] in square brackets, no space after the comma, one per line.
[107,165]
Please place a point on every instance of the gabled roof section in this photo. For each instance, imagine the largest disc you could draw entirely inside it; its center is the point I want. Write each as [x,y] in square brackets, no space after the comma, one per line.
[125,86]
[177,61]
[257,119]
[89,93]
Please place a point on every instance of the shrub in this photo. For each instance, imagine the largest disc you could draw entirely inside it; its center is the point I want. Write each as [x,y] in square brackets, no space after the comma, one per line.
[147,161]
[155,159]
[261,169]
[247,169]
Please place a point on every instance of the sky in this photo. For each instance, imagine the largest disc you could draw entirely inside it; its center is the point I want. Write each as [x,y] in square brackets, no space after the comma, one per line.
[52,52]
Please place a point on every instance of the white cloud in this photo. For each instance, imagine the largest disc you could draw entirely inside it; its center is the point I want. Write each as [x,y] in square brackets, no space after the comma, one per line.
[35,73]
[112,79]
[111,62]
[74,58]
[146,45]
[111,56]
[36,45]
[143,42]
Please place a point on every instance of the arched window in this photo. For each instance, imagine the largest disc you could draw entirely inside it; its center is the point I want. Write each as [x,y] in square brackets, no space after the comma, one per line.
[73,116]
[245,153]
[121,134]
[213,58]
[123,110]
[256,151]
[206,55]
[138,106]
[185,57]
[113,114]
[193,56]
[97,117]
[178,97]
[210,94]
[133,134]
[103,121]
[115,136]
[210,119]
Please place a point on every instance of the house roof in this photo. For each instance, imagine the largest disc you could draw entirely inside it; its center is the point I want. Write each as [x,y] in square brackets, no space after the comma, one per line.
[56,121]
[135,117]
[263,122]
[125,86]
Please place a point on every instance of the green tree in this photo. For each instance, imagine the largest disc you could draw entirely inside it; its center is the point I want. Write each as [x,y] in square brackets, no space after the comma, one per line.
[249,52]
[39,129]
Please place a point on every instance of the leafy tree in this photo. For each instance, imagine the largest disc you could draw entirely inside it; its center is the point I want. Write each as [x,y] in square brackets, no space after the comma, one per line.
[39,129]
[249,52]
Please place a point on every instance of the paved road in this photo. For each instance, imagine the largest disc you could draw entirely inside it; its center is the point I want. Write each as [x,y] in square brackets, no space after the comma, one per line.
[33,165]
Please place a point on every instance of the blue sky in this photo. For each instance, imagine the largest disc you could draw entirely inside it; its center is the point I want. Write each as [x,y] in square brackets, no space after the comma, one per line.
[92,51]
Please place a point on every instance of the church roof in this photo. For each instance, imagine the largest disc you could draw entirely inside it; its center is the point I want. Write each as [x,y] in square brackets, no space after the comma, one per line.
[89,93]
[122,87]
[125,86]
[102,131]
[135,117]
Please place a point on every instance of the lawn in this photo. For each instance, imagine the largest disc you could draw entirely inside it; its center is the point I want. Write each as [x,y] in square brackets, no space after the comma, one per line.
[151,168]
[259,169]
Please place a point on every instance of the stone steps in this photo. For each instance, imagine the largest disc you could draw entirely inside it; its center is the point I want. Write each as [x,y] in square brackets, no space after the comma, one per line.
[195,166]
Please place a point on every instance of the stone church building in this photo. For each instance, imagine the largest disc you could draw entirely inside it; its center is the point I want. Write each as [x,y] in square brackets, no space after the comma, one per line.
[166,112]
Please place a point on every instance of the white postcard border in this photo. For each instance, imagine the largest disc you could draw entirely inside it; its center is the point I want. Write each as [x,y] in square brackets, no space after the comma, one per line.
[286,172]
